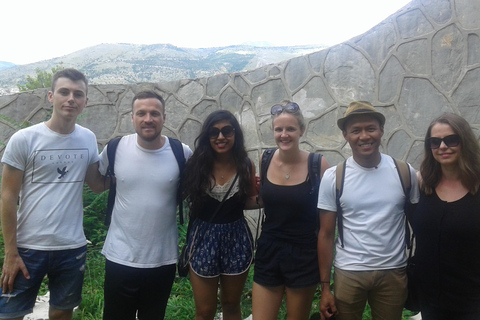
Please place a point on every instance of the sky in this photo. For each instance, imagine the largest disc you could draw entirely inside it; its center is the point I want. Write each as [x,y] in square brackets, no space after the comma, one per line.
[33,30]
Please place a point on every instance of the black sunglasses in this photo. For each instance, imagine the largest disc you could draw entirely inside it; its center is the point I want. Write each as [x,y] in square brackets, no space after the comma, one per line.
[227,132]
[292,107]
[452,140]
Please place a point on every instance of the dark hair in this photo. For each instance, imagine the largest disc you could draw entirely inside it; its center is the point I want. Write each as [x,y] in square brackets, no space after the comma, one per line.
[198,172]
[147,95]
[468,162]
[297,115]
[69,73]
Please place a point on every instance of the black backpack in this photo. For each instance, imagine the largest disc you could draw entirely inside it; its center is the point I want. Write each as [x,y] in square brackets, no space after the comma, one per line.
[403,171]
[177,149]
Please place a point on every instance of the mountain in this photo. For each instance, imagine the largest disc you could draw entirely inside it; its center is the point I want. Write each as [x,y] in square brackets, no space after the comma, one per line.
[131,63]
[6,65]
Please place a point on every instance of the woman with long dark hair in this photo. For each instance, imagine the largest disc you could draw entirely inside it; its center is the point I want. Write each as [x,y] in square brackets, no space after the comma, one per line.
[446,221]
[219,184]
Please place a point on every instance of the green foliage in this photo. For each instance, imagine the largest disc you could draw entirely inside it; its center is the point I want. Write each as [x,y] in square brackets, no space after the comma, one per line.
[91,307]
[94,215]
[43,79]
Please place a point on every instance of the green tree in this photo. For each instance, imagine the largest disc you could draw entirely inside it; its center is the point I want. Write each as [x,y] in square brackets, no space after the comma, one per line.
[43,79]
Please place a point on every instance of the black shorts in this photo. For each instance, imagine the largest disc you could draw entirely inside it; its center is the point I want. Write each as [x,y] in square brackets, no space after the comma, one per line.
[283,264]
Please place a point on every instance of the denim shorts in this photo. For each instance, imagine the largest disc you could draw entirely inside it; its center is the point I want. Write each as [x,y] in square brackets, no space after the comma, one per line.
[220,249]
[280,263]
[65,270]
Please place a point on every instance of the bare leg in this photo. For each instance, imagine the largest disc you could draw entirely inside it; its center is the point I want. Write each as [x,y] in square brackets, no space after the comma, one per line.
[299,302]
[54,314]
[266,301]
[205,296]
[231,293]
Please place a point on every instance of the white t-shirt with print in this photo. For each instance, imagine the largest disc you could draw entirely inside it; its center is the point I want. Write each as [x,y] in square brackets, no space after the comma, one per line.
[50,213]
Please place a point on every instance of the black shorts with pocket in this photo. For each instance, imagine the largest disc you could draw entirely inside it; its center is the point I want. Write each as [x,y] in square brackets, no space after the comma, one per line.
[279,263]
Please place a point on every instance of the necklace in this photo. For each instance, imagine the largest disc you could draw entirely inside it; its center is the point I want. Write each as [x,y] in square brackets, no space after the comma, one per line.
[287,174]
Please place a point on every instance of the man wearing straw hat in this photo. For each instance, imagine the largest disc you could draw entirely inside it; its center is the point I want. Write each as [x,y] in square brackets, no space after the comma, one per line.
[370,254]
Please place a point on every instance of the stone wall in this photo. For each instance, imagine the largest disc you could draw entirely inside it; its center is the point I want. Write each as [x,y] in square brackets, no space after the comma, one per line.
[419,62]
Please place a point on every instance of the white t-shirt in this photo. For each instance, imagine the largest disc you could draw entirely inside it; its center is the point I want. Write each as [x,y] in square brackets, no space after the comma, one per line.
[373,217]
[50,214]
[143,231]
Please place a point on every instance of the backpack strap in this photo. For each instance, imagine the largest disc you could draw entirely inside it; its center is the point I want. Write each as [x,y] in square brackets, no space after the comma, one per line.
[111,151]
[403,171]
[266,159]
[404,174]
[314,169]
[177,149]
[405,178]
[340,181]
[314,177]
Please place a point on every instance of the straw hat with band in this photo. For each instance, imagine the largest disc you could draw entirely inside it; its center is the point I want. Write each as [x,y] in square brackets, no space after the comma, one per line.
[360,108]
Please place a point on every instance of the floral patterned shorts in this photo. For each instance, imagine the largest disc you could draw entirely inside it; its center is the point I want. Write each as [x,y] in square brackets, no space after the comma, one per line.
[220,249]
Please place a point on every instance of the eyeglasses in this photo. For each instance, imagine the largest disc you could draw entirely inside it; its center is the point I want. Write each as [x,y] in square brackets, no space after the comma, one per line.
[292,107]
[227,132]
[452,140]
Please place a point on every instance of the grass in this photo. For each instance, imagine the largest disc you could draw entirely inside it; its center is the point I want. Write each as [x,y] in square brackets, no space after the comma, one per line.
[180,305]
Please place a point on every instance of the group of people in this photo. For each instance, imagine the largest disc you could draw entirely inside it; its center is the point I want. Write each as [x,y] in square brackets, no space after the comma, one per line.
[306,204]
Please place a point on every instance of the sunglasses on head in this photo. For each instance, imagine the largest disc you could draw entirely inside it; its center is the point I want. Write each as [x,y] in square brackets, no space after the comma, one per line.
[452,140]
[227,132]
[292,107]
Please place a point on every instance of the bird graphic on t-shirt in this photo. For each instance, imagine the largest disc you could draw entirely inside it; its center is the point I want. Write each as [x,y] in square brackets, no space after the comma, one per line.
[62,172]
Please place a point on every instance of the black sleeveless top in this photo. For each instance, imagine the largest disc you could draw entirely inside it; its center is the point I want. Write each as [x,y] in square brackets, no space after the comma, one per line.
[231,210]
[448,250]
[290,213]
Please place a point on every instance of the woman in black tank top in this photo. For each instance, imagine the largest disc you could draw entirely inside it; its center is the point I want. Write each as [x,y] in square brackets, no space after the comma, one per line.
[286,261]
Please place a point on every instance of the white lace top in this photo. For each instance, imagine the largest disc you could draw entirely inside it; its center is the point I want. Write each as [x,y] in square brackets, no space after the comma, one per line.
[218,191]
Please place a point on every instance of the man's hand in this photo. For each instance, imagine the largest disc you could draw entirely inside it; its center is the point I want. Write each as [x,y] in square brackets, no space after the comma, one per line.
[12,264]
[327,304]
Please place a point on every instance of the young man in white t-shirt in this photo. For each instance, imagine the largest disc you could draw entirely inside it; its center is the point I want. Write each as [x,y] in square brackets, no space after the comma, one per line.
[141,247]
[370,265]
[45,167]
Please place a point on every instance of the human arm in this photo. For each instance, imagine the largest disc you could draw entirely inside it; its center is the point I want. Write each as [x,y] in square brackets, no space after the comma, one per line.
[325,248]
[95,180]
[324,166]
[253,201]
[12,179]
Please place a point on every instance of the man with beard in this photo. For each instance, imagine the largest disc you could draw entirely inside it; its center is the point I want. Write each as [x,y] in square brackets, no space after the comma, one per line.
[141,247]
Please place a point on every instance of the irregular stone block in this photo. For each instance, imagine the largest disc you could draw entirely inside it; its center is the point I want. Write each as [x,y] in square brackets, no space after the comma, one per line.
[448,47]
[468,12]
[438,10]
[349,74]
[414,56]
[473,49]
[390,80]
[378,42]
[296,73]
[420,102]
[413,24]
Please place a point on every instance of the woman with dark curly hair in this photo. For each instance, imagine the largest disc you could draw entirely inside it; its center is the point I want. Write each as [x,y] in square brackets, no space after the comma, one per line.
[220,243]
[447,221]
